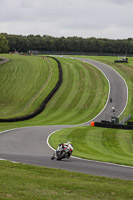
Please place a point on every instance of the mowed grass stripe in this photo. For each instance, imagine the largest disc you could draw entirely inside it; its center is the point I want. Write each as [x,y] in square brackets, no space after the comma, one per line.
[82,93]
[84,101]
[73,102]
[21,79]
[108,145]
[126,143]
[70,101]
[70,89]
[42,87]
[92,103]
[50,84]
[60,102]
[20,82]
[57,105]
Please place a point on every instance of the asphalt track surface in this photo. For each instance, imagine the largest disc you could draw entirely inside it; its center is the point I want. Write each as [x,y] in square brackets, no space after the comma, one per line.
[4,60]
[29,145]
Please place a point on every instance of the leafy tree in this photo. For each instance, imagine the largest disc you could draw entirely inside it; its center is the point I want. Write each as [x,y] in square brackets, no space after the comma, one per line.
[3,44]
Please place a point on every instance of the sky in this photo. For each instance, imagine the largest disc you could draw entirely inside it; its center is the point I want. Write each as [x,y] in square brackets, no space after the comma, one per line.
[67,18]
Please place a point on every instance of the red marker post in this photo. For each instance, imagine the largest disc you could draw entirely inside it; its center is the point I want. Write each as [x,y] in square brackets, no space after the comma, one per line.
[92,123]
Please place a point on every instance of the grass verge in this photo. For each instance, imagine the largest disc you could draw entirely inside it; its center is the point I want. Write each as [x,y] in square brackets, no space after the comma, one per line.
[19,181]
[108,145]
[24,84]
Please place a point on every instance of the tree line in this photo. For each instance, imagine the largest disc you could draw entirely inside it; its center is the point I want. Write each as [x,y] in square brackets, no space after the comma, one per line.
[23,44]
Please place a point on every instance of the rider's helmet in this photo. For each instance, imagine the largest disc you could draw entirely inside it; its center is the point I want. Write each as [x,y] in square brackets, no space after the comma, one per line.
[70,145]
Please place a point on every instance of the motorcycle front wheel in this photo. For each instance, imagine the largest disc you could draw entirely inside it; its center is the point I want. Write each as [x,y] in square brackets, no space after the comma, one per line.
[61,156]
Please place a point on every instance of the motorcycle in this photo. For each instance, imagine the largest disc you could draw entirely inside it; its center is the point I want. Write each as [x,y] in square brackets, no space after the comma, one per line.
[62,152]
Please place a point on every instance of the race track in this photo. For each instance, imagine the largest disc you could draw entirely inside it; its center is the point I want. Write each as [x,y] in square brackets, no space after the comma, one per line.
[28,145]
[4,60]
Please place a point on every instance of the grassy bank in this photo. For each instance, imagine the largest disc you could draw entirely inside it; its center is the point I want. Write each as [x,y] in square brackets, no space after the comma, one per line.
[78,99]
[108,145]
[24,83]
[20,181]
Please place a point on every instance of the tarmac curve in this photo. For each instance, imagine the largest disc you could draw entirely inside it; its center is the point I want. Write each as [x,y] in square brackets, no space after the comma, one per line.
[4,60]
[30,145]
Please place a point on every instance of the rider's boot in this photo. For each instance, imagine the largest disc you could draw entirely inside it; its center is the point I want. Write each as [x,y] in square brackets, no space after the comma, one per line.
[53,156]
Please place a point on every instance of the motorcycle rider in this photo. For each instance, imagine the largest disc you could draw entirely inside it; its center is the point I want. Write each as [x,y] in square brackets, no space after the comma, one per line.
[64,145]
[68,145]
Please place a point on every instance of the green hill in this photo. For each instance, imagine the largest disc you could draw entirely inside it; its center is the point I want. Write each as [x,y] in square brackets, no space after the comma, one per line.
[26,81]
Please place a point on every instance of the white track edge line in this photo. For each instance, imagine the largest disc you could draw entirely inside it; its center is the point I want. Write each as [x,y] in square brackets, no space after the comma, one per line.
[121,78]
